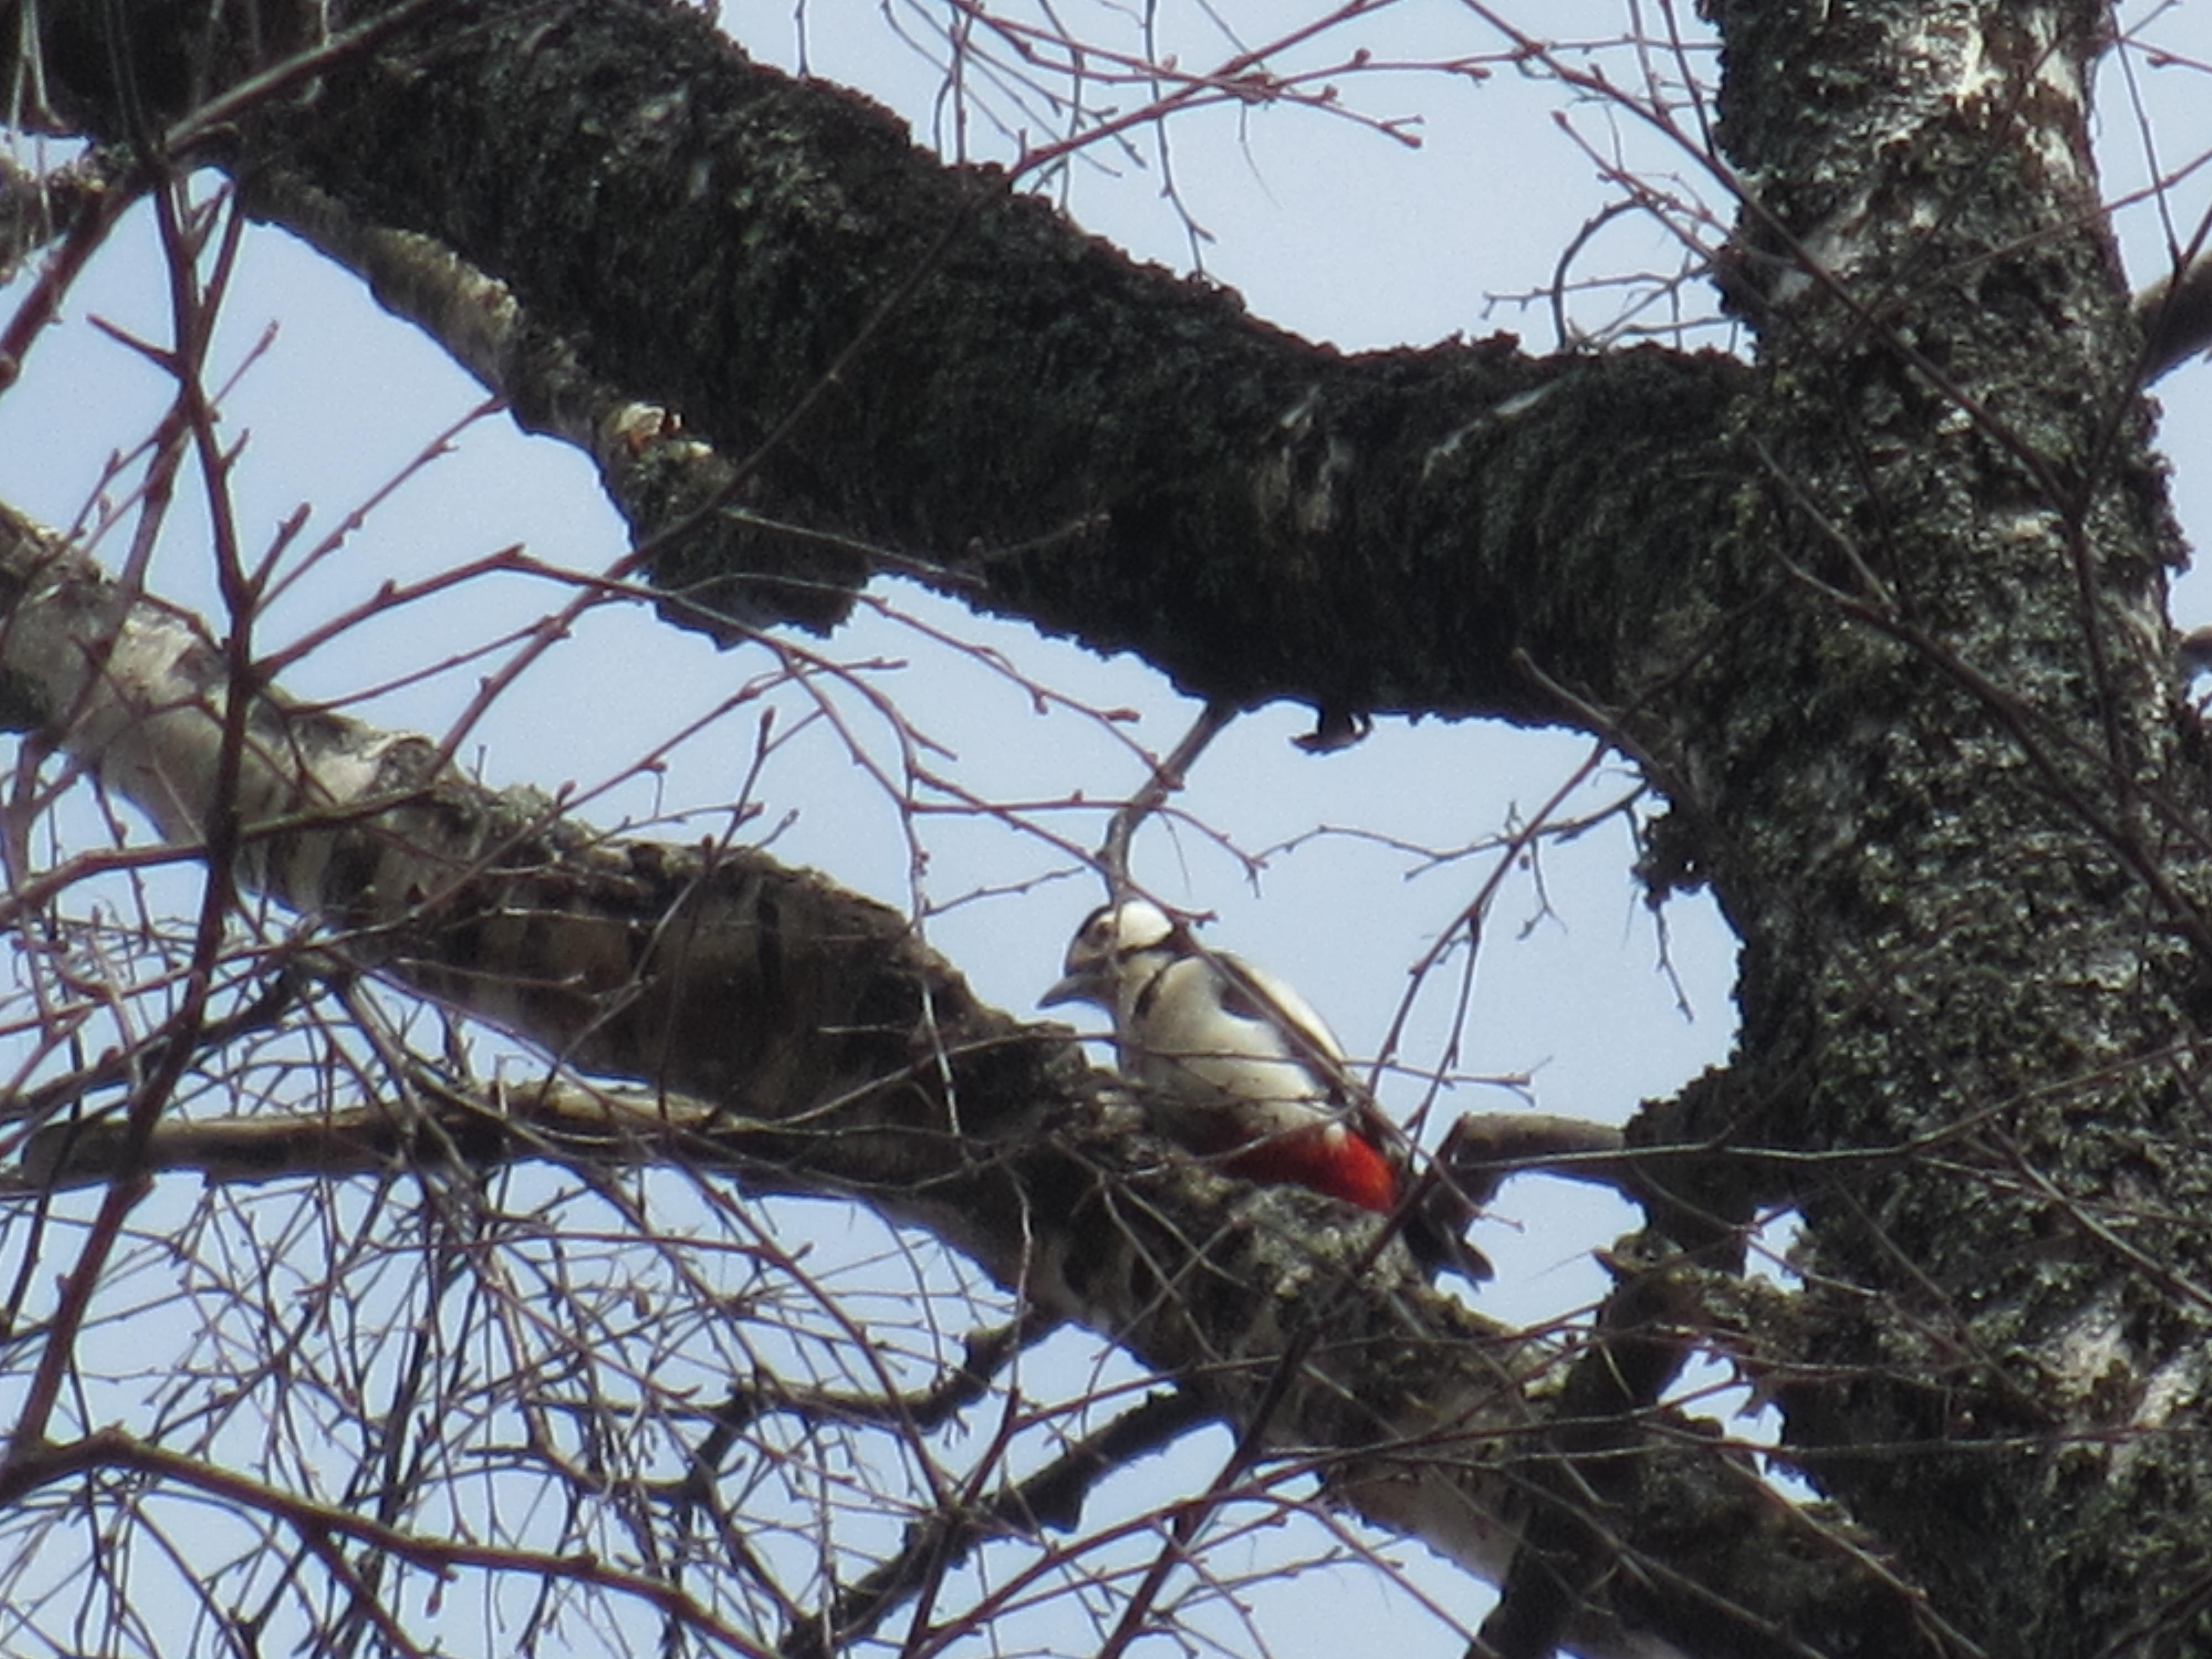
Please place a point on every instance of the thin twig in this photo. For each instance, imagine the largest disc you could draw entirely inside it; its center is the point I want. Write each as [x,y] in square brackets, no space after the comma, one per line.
[1167,778]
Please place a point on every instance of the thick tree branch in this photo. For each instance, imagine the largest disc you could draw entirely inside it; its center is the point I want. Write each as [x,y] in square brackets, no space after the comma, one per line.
[1883,615]
[2175,315]
[828,1053]
[609,214]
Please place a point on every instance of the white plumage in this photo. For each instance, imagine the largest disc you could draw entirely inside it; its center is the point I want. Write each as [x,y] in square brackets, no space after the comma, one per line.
[1232,1060]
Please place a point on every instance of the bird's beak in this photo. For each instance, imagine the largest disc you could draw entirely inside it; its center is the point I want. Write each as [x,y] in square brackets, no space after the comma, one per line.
[1079,986]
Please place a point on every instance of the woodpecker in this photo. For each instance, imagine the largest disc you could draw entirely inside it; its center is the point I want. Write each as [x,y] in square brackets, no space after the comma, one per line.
[1236,1065]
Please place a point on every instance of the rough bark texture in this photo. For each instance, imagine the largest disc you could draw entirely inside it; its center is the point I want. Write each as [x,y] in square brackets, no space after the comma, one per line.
[1882,615]
[1964,833]
[1108,451]
[824,1051]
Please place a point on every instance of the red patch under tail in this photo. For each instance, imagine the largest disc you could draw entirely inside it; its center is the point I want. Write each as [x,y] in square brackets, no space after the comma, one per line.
[1329,1159]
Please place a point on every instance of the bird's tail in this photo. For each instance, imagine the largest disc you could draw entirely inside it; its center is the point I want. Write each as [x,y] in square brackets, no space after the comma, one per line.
[1438,1211]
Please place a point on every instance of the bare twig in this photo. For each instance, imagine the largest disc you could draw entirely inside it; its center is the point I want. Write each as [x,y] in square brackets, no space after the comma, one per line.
[1167,777]
[1051,1499]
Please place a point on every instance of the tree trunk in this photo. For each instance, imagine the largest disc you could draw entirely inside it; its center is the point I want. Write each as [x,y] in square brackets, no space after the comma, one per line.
[1883,614]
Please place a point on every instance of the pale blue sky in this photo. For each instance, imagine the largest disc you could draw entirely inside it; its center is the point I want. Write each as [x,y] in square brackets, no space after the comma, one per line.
[1326,227]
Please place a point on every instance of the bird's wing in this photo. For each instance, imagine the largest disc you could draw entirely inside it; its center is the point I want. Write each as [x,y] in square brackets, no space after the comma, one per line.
[1250,992]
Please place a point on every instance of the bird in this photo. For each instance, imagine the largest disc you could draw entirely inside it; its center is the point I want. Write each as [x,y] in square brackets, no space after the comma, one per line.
[1237,1066]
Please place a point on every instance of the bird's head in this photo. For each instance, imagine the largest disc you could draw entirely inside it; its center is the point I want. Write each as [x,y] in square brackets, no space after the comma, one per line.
[1103,954]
